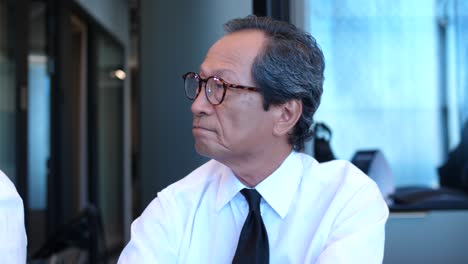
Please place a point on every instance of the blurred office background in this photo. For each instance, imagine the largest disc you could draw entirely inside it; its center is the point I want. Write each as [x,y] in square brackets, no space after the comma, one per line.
[94,120]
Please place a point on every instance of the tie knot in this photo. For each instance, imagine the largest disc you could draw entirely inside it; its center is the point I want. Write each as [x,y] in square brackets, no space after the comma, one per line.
[253,198]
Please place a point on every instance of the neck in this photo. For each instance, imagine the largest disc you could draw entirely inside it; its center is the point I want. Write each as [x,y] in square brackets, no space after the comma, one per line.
[253,169]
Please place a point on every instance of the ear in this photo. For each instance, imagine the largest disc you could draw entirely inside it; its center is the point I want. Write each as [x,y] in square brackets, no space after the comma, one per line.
[287,116]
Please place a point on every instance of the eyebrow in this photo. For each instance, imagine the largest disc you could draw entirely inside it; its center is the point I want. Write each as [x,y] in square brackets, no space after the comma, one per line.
[220,73]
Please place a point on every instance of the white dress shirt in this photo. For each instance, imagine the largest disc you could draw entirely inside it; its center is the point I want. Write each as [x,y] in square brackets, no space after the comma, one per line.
[13,240]
[313,213]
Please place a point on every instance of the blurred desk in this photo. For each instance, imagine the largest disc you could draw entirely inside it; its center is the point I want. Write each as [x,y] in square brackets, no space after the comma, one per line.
[427,237]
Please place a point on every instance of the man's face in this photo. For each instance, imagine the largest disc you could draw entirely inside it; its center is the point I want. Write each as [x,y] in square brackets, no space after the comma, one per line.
[239,127]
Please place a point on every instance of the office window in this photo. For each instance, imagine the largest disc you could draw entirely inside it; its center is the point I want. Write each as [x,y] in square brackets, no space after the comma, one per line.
[393,80]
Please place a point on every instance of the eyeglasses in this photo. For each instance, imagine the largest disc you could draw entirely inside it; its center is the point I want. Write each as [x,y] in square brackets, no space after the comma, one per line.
[215,87]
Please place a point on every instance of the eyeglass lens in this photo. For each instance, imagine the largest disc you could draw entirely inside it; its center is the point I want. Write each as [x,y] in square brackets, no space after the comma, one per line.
[214,88]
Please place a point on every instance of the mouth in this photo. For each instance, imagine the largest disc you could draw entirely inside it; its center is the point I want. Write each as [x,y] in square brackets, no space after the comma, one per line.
[200,128]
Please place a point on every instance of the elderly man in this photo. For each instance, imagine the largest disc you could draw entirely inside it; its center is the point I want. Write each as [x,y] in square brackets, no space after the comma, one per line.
[259,200]
[13,240]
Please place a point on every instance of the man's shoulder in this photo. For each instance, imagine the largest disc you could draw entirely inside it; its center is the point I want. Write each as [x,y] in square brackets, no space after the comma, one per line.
[342,170]
[179,200]
[7,188]
[338,184]
[336,176]
[208,172]
[190,188]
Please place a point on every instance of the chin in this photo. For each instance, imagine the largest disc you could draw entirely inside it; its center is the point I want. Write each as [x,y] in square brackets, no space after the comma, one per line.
[210,152]
[203,150]
[212,149]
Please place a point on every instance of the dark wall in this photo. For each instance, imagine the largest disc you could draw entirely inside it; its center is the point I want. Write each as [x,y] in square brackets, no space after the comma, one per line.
[175,36]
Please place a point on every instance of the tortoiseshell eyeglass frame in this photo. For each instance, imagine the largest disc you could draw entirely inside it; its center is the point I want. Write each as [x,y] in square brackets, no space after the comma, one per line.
[205,81]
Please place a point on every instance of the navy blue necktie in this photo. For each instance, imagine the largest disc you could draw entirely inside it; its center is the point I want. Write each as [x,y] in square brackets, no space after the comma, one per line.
[253,240]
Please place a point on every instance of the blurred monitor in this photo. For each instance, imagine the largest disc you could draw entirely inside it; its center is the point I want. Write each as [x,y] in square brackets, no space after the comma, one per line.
[374,164]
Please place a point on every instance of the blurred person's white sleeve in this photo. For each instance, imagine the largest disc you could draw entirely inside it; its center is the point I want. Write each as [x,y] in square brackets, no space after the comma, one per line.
[13,241]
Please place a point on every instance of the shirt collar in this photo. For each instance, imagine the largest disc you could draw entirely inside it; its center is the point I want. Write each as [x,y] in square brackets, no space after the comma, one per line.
[277,190]
[229,186]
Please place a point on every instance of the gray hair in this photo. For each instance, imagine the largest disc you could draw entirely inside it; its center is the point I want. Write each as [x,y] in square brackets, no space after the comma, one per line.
[290,67]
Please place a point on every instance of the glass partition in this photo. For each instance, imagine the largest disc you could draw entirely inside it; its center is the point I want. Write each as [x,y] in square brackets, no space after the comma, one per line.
[395,80]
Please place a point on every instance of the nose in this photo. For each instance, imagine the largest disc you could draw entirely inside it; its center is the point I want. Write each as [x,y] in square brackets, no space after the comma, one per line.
[201,105]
